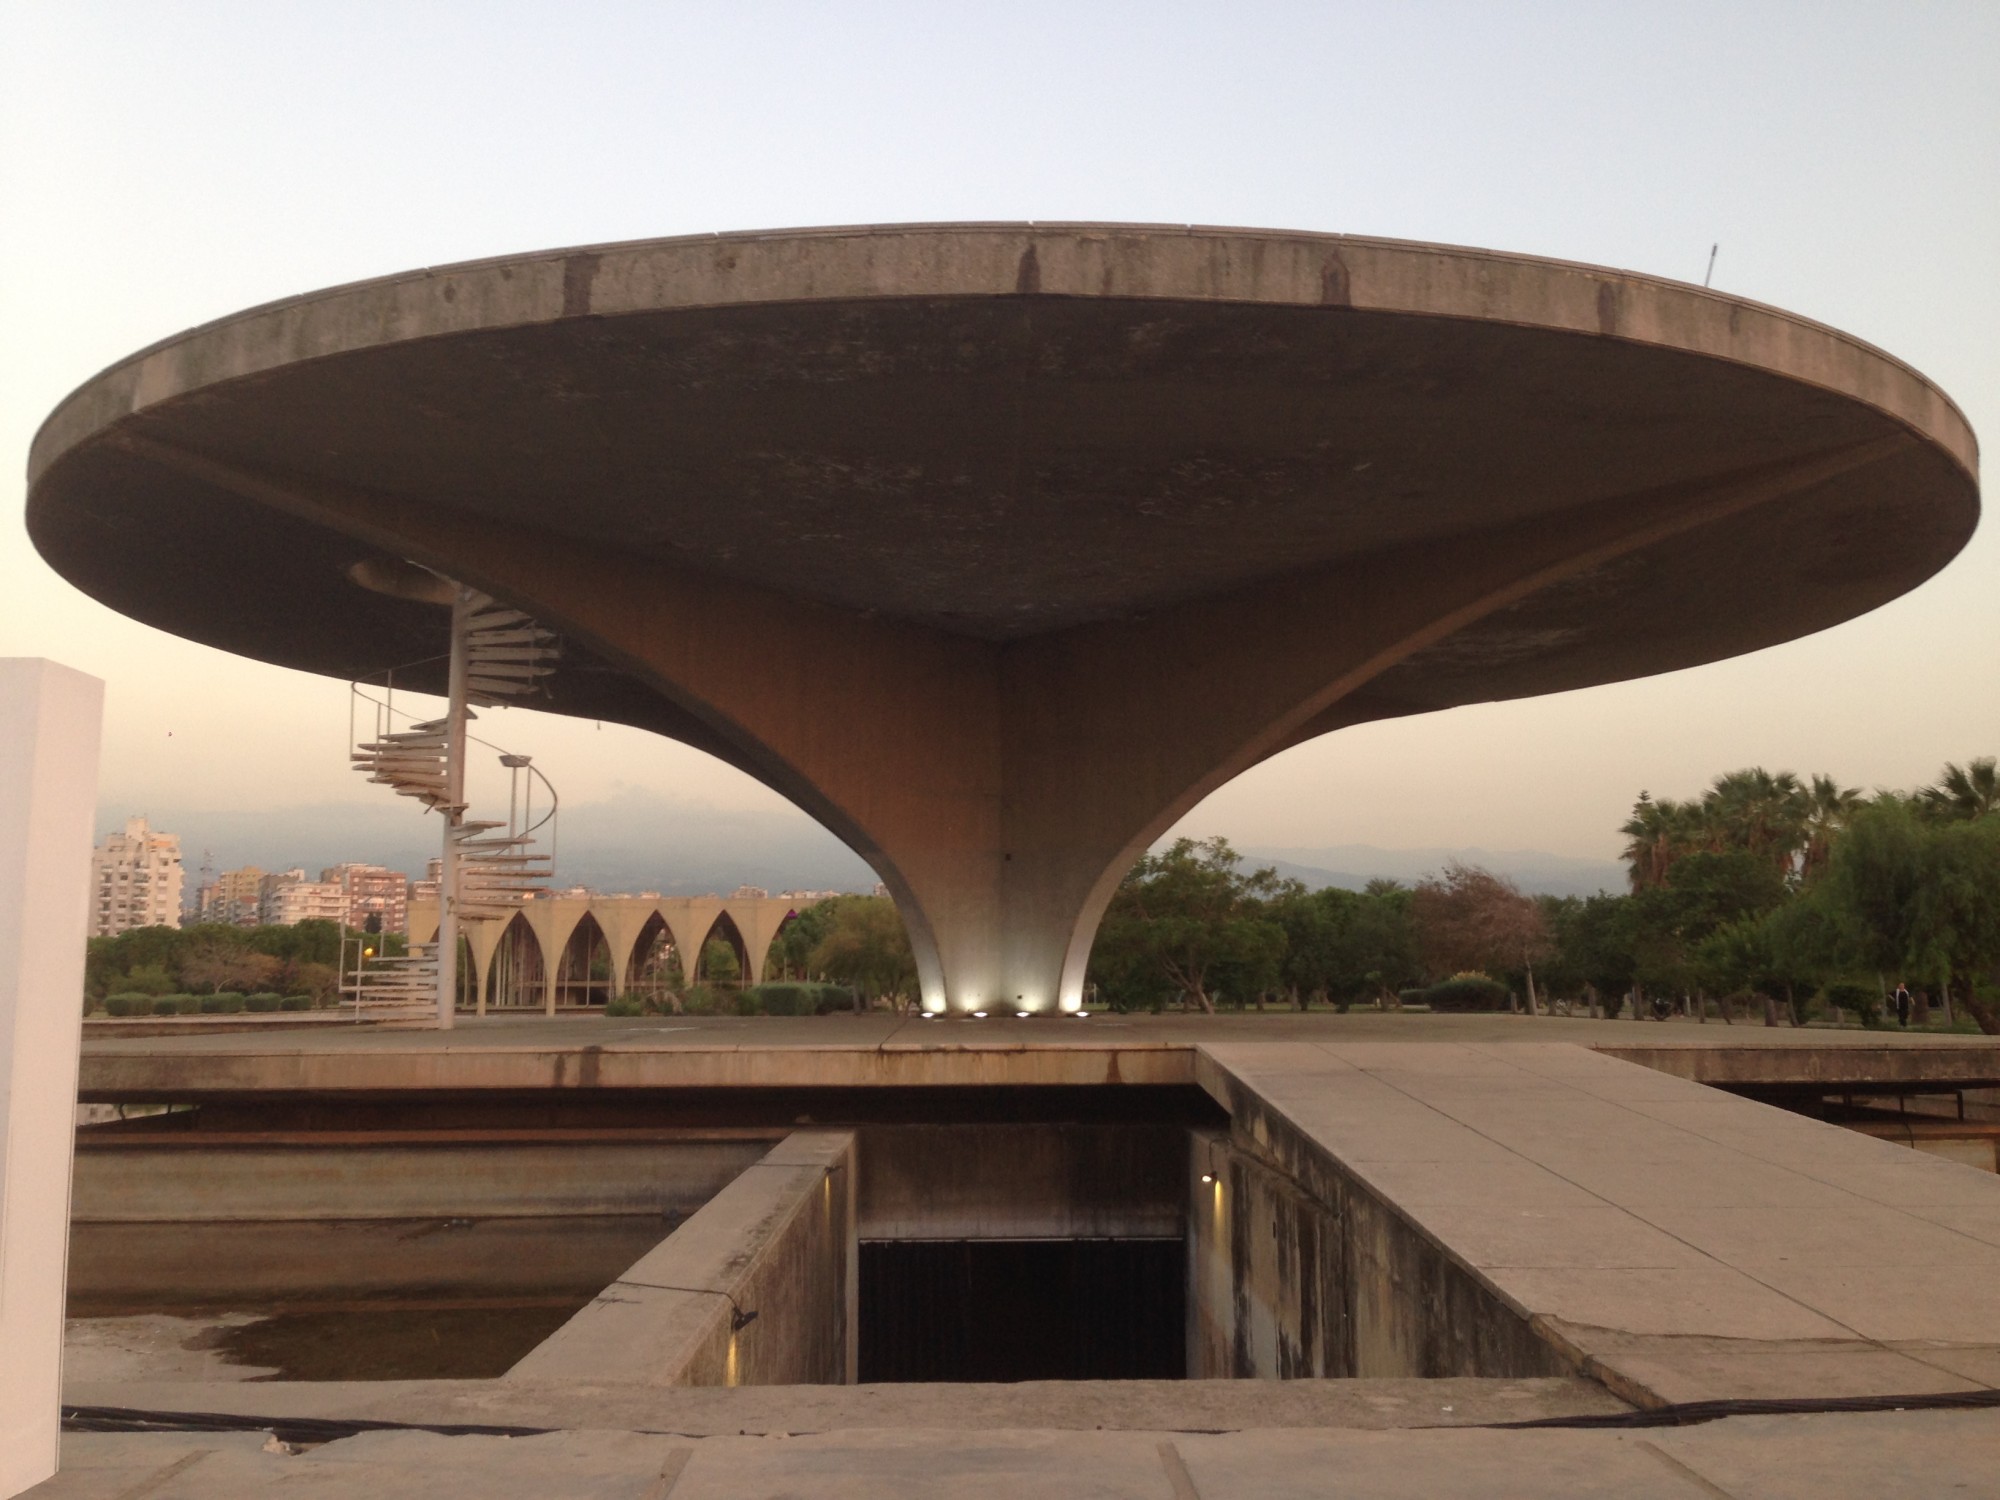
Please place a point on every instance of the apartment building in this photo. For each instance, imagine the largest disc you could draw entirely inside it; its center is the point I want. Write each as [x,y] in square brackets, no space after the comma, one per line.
[372,892]
[233,897]
[135,880]
[287,898]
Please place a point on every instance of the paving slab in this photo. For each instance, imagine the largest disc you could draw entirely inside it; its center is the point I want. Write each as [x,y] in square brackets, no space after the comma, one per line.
[1883,1456]
[1056,1405]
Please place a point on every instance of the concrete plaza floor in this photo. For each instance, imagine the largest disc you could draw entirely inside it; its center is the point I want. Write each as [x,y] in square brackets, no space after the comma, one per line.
[1884,1456]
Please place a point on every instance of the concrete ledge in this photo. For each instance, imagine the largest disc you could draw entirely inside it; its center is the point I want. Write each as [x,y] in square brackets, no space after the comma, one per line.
[778,1243]
[1941,1063]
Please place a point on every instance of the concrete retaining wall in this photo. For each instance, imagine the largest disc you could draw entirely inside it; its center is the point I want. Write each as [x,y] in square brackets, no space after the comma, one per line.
[1296,1270]
[187,1178]
[778,1242]
[988,1182]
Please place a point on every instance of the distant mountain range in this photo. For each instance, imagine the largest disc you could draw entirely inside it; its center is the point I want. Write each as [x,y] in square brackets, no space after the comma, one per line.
[643,841]
[1352,866]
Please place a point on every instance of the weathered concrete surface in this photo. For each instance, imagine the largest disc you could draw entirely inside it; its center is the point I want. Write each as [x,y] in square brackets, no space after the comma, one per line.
[184,1176]
[1890,1456]
[1303,1273]
[1061,1181]
[934,529]
[713,1411]
[306,1263]
[1938,1062]
[1677,1242]
[1971,1143]
[778,1242]
[881,1050]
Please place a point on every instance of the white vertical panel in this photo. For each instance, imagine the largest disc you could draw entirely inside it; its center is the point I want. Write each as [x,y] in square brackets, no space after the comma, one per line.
[49,724]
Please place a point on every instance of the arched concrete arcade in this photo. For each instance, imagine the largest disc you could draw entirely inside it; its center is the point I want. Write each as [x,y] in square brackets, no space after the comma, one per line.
[997,547]
[627,924]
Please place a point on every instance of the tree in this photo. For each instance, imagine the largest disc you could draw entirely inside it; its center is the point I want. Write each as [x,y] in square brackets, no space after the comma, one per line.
[1921,899]
[865,945]
[1657,834]
[718,963]
[1829,805]
[1758,813]
[1184,918]
[1964,793]
[1600,942]
[215,964]
[1471,920]
[790,955]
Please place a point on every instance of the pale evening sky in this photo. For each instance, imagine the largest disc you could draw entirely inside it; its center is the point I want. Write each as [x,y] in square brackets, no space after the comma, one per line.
[164,165]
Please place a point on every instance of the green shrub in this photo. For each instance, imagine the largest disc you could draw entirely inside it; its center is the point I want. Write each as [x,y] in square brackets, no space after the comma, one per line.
[624,1005]
[295,1002]
[265,1001]
[1863,999]
[167,1005]
[1467,992]
[228,1003]
[186,1005]
[708,1000]
[795,999]
[1412,997]
[127,1005]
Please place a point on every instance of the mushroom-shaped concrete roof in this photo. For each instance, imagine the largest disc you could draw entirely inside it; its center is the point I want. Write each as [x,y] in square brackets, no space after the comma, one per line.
[1003,443]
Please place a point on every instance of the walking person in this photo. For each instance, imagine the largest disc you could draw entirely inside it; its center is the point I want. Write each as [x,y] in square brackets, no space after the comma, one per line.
[1902,1003]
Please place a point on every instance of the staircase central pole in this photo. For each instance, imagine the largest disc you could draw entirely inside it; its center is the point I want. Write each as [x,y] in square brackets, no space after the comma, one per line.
[454,812]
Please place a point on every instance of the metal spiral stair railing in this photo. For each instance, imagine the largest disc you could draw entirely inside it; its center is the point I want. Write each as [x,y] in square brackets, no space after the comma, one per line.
[506,656]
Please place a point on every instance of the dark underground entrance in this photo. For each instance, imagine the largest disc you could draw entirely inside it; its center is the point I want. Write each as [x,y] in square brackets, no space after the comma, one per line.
[1007,1310]
[993,1251]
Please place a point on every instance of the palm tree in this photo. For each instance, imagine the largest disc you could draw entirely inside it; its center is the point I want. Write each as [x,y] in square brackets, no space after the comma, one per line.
[1964,792]
[1658,833]
[1761,814]
[1828,807]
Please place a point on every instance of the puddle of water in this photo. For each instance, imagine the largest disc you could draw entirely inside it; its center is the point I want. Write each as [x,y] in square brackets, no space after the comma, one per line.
[335,1299]
[388,1340]
[392,1342]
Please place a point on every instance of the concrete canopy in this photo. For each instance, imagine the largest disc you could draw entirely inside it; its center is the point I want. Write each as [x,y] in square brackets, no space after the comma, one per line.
[997,547]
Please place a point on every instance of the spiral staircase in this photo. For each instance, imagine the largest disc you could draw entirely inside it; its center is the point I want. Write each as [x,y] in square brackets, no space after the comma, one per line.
[506,655]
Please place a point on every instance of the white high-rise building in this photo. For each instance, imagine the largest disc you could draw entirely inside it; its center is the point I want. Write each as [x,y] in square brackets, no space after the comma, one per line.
[135,880]
[289,898]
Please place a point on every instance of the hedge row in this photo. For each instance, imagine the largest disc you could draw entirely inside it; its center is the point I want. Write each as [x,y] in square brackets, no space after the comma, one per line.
[1464,992]
[777,999]
[228,1003]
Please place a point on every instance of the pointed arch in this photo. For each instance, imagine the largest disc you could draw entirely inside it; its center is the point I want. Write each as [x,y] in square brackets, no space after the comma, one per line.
[467,998]
[770,945]
[515,978]
[724,929]
[656,967]
[583,974]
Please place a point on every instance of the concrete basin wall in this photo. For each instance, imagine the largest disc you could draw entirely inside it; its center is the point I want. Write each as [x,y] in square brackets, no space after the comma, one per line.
[186,1177]
[1019,1182]
[778,1242]
[187,1217]
[1297,1270]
